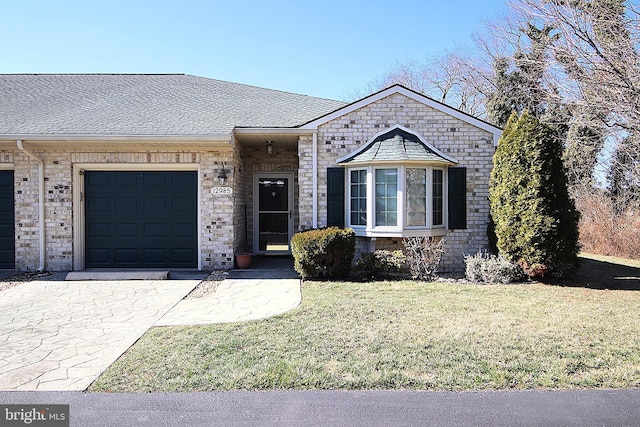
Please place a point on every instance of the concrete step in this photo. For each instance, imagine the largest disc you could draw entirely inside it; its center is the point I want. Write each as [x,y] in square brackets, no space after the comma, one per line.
[117,275]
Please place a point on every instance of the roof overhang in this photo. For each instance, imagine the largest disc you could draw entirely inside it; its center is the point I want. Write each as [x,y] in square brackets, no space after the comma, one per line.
[44,141]
[251,136]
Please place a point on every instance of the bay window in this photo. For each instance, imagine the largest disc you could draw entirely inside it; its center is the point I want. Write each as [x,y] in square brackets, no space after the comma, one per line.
[401,185]
[384,199]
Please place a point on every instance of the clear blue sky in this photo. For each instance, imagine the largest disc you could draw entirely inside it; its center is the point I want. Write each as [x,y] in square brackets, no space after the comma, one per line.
[325,48]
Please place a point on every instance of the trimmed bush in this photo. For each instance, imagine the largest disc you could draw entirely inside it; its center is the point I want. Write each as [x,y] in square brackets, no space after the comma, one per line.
[423,256]
[484,267]
[323,253]
[382,264]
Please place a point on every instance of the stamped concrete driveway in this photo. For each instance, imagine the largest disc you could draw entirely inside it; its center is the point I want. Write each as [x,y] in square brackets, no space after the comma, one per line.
[60,335]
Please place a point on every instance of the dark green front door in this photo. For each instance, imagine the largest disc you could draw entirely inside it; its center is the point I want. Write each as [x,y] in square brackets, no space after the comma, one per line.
[144,219]
[7,221]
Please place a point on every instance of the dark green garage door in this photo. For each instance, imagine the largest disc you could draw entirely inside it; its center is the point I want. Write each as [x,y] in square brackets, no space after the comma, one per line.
[141,219]
[7,227]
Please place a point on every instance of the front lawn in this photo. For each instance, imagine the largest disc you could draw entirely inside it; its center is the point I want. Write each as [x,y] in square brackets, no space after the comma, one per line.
[410,335]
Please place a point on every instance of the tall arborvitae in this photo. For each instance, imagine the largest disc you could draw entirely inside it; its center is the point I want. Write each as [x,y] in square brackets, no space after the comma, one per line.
[536,221]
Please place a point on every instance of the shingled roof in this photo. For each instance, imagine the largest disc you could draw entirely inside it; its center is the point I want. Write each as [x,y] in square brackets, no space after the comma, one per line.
[146,105]
[396,145]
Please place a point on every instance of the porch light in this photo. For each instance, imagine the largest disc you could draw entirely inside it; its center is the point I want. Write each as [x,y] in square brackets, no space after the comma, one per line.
[222,176]
[269,147]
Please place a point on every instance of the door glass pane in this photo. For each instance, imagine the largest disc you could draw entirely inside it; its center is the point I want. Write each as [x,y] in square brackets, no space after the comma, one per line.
[274,232]
[273,194]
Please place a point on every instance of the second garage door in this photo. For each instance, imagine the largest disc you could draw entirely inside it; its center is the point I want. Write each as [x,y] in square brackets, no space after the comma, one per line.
[7,236]
[144,219]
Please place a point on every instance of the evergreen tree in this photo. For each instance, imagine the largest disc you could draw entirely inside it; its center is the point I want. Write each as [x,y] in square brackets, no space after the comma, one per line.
[536,221]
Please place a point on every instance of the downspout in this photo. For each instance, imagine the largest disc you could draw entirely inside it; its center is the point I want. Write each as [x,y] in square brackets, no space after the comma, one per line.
[315,179]
[40,201]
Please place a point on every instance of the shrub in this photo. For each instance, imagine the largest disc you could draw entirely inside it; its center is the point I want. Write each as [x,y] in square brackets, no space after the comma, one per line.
[382,264]
[536,221]
[423,256]
[484,267]
[323,253]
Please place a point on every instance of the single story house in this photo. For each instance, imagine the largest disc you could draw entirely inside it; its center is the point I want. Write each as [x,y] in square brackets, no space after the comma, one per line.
[178,171]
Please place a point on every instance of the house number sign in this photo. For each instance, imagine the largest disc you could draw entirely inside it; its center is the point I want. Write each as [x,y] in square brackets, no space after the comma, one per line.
[221,190]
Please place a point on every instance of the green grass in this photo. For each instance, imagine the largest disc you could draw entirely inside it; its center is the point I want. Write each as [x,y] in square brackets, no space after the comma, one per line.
[402,335]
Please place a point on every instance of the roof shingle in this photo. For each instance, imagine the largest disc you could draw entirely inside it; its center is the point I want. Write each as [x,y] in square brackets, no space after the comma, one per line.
[145,105]
[395,145]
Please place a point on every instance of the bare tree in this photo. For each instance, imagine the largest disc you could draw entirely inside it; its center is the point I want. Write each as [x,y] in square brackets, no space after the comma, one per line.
[453,79]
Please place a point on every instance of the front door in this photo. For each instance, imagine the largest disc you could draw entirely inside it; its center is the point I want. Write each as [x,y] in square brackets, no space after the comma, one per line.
[273,213]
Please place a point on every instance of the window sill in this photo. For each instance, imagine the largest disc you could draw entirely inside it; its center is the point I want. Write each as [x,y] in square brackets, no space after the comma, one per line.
[430,232]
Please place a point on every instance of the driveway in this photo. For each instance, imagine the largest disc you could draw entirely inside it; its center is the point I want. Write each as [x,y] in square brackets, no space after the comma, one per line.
[60,335]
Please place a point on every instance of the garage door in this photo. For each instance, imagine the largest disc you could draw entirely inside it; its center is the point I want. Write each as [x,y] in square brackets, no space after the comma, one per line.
[144,219]
[7,230]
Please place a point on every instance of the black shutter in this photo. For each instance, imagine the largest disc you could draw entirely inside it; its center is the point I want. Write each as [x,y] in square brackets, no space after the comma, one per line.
[457,198]
[335,197]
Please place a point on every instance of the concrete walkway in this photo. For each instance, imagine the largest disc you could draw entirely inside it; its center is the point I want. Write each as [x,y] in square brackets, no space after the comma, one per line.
[237,300]
[61,335]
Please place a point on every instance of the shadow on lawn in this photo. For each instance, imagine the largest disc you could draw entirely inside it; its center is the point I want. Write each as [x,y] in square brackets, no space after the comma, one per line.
[596,274]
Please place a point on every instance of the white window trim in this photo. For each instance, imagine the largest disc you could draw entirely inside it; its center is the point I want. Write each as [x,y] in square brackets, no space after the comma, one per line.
[348,210]
[444,198]
[400,230]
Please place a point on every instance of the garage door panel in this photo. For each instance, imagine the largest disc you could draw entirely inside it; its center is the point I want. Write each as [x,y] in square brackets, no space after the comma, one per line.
[184,230]
[99,204]
[158,205]
[98,257]
[126,230]
[183,205]
[124,179]
[126,256]
[155,181]
[183,255]
[155,256]
[7,220]
[126,204]
[151,219]
[98,230]
[155,230]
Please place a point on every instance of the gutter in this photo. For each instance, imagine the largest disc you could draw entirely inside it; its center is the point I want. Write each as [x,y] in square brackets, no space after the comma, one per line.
[40,201]
[315,179]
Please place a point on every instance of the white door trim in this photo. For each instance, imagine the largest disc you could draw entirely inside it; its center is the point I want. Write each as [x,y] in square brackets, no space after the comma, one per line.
[256,209]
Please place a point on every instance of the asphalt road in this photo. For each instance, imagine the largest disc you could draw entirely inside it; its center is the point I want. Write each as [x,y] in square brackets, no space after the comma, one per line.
[345,408]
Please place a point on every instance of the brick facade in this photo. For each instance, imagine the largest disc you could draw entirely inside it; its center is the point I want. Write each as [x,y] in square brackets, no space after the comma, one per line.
[226,221]
[216,213]
[470,145]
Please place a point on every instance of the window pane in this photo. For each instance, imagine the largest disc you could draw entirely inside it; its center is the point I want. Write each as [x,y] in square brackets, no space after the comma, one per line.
[416,197]
[386,197]
[437,196]
[358,198]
